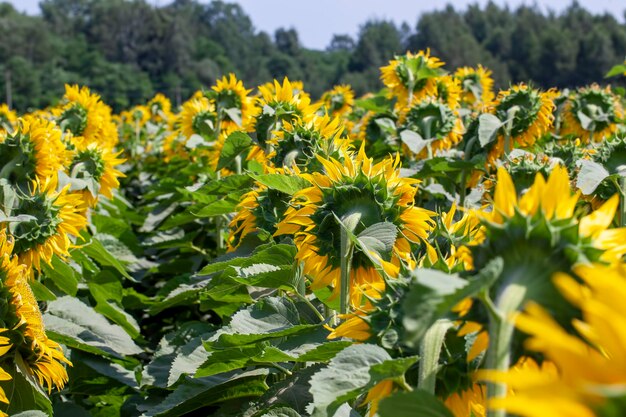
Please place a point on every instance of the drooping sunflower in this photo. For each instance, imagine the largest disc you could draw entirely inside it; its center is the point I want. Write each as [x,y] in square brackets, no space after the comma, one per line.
[53,218]
[8,118]
[592,114]
[596,388]
[260,209]
[198,117]
[42,356]
[435,122]
[339,100]
[32,152]
[160,109]
[468,403]
[477,86]
[95,167]
[83,114]
[448,90]
[297,143]
[411,76]
[278,105]
[532,116]
[232,102]
[356,189]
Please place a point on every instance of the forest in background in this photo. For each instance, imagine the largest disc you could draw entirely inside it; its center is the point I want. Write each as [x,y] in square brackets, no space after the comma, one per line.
[127,50]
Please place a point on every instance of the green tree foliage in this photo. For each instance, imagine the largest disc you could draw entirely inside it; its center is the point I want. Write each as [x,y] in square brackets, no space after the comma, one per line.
[127,49]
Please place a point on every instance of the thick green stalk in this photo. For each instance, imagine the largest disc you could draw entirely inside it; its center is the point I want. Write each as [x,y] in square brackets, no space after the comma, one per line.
[466,157]
[622,201]
[347,249]
[501,330]
[430,349]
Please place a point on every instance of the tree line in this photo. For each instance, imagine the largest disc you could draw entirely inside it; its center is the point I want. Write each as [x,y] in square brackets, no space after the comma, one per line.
[129,49]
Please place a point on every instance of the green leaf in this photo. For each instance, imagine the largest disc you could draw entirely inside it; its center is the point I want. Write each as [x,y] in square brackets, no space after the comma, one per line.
[616,70]
[224,205]
[488,126]
[23,390]
[433,294]
[280,412]
[63,275]
[201,392]
[31,413]
[413,140]
[351,373]
[73,323]
[379,237]
[416,403]
[95,249]
[270,318]
[591,174]
[288,184]
[234,145]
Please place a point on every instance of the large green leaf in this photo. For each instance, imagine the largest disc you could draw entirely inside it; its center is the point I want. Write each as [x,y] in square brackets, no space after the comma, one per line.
[23,390]
[202,392]
[62,275]
[433,294]
[75,324]
[234,145]
[417,403]
[288,184]
[351,373]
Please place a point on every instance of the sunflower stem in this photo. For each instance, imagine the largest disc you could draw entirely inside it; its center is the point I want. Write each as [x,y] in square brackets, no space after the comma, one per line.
[466,157]
[622,190]
[347,249]
[501,330]
[430,349]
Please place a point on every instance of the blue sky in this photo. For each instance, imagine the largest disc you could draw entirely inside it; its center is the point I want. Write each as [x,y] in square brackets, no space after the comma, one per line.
[317,20]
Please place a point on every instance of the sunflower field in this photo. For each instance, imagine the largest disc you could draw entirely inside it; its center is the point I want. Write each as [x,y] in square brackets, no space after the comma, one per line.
[437,249]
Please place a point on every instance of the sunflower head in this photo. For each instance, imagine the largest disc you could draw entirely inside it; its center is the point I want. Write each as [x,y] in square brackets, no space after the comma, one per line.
[8,118]
[592,113]
[159,109]
[22,316]
[232,102]
[278,105]
[539,234]
[95,168]
[411,76]
[298,143]
[260,211]
[32,152]
[48,219]
[365,194]
[198,117]
[477,86]
[433,120]
[82,113]
[339,100]
[449,90]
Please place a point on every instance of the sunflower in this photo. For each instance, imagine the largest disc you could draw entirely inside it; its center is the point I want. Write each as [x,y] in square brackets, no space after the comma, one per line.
[32,152]
[95,166]
[198,117]
[356,189]
[43,357]
[54,217]
[411,77]
[277,105]
[530,113]
[477,86]
[377,393]
[339,100]
[592,114]
[447,248]
[8,118]
[435,122]
[448,90]
[160,109]
[534,237]
[83,114]
[232,102]
[297,143]
[569,388]
[469,402]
